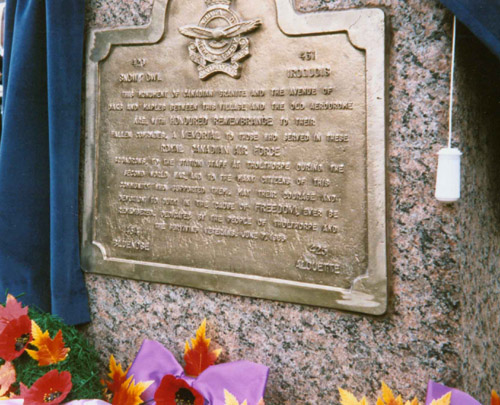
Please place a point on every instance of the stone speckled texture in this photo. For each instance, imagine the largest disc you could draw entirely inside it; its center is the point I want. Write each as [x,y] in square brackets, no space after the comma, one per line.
[312,351]
[117,13]
[478,127]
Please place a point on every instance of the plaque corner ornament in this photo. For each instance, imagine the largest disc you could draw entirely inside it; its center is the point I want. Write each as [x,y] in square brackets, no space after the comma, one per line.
[219,48]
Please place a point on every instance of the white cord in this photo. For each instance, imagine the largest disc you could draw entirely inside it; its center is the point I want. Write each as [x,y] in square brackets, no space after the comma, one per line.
[450,114]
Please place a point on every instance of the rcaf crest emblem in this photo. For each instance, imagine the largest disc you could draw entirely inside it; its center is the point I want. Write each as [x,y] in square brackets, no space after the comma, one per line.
[219,44]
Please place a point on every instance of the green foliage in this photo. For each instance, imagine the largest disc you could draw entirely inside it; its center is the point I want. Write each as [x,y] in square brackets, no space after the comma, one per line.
[83,360]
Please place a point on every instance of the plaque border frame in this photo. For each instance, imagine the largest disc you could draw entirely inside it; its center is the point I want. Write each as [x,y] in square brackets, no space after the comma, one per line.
[368,292]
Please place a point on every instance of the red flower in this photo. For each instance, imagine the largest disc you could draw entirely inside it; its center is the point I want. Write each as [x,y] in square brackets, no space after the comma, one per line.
[51,388]
[173,391]
[14,338]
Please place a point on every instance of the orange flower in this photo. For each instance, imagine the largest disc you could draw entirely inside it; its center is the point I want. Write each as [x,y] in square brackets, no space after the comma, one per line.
[14,338]
[50,351]
[52,388]
[174,390]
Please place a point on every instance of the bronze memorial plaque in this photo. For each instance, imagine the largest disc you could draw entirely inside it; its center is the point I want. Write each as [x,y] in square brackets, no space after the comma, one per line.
[239,146]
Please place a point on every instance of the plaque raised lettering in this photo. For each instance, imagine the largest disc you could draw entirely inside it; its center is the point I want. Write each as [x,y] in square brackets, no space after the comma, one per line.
[239,147]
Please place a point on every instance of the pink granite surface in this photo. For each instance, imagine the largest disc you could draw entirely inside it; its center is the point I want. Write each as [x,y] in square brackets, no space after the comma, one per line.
[478,126]
[312,351]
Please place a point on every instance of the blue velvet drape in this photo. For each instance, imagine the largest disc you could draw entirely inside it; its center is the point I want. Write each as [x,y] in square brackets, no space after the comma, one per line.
[482,17]
[39,156]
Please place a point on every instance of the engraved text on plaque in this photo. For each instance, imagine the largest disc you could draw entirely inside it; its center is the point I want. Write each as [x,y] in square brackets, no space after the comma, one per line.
[239,147]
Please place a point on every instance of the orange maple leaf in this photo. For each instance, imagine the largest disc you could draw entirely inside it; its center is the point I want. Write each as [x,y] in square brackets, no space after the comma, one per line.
[50,351]
[444,400]
[117,375]
[389,399]
[198,357]
[129,393]
[495,399]
[348,398]
[7,378]
[230,399]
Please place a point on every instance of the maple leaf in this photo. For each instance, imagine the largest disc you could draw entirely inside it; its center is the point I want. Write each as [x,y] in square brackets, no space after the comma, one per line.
[388,397]
[130,393]
[444,400]
[230,399]
[198,357]
[347,398]
[50,351]
[117,375]
[495,399]
[7,378]
[12,310]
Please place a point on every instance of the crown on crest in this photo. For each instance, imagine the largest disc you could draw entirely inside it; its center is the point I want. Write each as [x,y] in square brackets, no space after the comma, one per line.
[211,3]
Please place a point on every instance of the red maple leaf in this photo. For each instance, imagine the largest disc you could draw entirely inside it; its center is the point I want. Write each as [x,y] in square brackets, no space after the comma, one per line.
[12,310]
[7,378]
[198,357]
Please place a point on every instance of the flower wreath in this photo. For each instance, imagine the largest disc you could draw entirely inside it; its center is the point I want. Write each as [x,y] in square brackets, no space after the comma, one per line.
[201,382]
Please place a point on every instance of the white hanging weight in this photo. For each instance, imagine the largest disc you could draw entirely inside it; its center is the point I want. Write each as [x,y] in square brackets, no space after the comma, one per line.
[448,175]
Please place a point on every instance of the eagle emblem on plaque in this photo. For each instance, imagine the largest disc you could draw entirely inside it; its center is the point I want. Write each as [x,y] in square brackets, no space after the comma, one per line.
[219,45]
